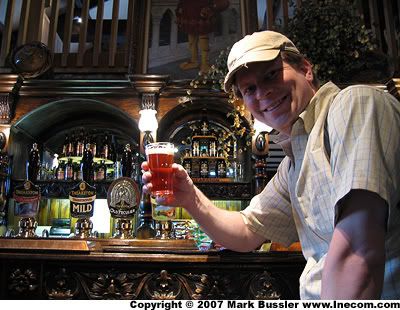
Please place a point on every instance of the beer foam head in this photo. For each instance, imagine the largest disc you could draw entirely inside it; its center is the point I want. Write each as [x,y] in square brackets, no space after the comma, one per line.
[160,148]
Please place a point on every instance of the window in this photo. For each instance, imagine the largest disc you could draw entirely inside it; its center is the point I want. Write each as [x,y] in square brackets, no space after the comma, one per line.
[165,29]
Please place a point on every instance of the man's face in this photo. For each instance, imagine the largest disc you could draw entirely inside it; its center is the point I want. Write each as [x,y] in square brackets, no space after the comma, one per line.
[275,92]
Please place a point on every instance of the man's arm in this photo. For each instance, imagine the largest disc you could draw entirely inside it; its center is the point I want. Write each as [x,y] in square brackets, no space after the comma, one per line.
[354,266]
[222,226]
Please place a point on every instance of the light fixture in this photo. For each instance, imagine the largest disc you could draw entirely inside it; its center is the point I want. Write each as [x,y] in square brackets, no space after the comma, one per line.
[148,120]
[148,125]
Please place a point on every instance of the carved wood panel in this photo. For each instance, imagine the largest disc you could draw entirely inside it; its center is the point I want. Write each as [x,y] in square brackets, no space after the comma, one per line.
[23,282]
[162,281]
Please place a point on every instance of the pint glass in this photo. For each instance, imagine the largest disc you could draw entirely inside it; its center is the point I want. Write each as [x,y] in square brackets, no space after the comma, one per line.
[160,157]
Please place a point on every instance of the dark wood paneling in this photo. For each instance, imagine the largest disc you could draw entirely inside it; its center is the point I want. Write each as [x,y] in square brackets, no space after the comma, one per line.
[170,274]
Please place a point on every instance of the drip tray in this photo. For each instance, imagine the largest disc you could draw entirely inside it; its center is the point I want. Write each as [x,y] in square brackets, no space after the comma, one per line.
[98,245]
[146,245]
[45,244]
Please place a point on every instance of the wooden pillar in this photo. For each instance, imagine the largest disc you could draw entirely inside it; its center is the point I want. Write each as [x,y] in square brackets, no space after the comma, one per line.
[270,15]
[35,23]
[98,33]
[390,32]
[83,33]
[55,6]
[114,34]
[375,23]
[260,148]
[6,36]
[23,26]
[69,15]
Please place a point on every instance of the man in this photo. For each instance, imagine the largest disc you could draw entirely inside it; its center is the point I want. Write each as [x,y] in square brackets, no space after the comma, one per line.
[337,189]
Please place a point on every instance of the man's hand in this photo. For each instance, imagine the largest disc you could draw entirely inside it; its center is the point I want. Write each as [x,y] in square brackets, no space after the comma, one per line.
[222,226]
[183,186]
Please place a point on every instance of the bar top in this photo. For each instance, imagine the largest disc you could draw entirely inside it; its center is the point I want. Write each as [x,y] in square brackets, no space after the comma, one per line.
[149,250]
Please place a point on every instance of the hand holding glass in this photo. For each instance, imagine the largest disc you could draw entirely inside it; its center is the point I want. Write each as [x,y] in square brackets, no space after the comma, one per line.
[160,157]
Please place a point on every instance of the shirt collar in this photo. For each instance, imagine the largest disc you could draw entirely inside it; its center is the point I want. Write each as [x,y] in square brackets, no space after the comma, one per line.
[321,98]
[308,117]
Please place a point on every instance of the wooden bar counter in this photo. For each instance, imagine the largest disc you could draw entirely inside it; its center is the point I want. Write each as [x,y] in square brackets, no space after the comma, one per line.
[45,268]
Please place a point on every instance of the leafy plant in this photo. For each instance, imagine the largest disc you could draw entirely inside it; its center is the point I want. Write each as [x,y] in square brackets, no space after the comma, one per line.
[332,36]
[214,79]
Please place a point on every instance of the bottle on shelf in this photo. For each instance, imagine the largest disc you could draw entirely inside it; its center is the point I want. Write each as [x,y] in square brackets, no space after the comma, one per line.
[44,171]
[69,172]
[126,162]
[101,171]
[65,146]
[93,145]
[33,164]
[77,175]
[71,146]
[60,172]
[113,149]
[80,143]
[87,164]
[105,152]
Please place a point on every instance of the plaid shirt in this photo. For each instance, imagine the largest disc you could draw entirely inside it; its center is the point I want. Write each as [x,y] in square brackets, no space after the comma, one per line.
[344,140]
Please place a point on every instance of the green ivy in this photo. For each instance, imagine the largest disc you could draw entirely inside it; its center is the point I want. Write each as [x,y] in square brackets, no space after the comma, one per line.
[214,79]
[331,35]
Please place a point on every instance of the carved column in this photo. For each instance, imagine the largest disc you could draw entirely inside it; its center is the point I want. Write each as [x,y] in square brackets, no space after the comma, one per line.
[6,106]
[9,87]
[260,148]
[149,87]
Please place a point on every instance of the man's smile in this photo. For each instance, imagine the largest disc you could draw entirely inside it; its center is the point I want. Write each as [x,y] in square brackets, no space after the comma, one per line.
[275,105]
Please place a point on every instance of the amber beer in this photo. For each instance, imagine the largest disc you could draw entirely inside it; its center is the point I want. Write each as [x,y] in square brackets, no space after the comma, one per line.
[160,157]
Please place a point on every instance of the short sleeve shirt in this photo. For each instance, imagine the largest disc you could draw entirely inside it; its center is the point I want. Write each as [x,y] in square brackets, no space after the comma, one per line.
[345,139]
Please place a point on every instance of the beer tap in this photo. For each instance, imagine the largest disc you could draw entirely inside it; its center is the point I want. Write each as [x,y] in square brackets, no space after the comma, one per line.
[123,197]
[123,201]
[27,196]
[82,198]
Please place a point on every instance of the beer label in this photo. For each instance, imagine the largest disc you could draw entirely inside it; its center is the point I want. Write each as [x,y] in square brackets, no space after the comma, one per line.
[123,198]
[27,198]
[69,173]
[80,148]
[60,174]
[82,198]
